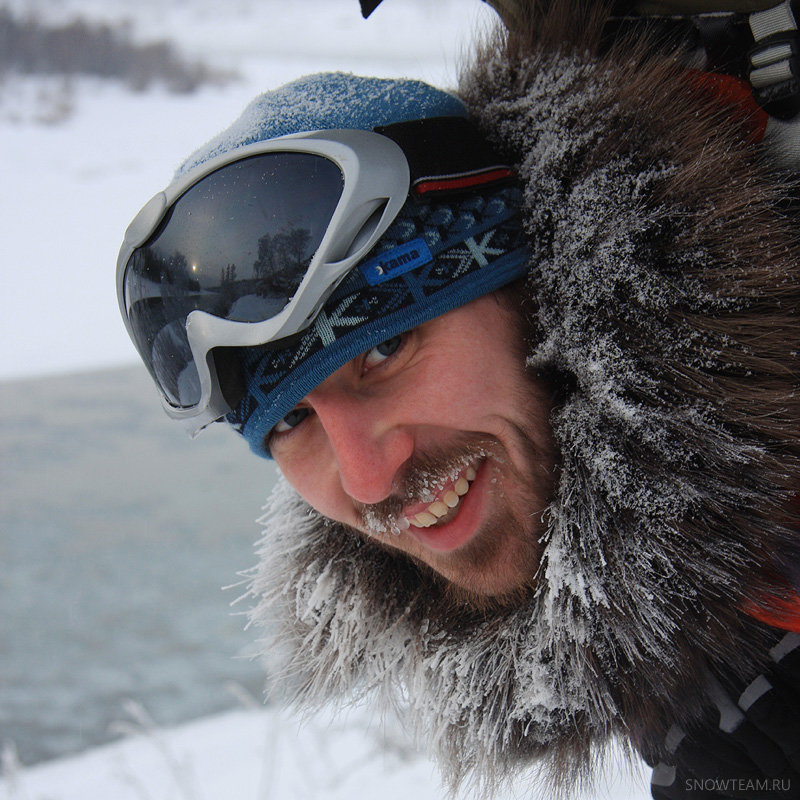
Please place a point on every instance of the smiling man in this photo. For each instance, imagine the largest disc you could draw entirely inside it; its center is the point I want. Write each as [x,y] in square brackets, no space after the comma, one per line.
[435,442]
[526,359]
[369,262]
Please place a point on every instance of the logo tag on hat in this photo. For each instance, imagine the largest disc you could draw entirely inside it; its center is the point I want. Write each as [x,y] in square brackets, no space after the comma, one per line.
[396,261]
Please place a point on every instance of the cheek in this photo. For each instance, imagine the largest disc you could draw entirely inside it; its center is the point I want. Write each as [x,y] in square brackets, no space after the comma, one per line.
[465,395]
[314,480]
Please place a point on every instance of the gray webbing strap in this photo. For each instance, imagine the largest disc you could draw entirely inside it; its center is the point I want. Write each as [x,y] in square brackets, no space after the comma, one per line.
[775,59]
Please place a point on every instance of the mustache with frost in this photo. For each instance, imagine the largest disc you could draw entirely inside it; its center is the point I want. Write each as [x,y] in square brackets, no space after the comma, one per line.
[423,477]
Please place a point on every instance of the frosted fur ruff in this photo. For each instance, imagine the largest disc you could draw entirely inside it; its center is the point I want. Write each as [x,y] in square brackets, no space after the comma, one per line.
[664,299]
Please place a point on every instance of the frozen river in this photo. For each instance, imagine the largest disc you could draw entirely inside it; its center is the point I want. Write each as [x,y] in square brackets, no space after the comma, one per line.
[117,534]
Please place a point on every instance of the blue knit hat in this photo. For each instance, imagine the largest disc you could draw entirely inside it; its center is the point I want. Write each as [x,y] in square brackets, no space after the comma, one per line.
[326,101]
[463,246]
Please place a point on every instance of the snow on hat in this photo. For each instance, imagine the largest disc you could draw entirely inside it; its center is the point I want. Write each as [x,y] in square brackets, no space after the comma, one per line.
[470,243]
[326,101]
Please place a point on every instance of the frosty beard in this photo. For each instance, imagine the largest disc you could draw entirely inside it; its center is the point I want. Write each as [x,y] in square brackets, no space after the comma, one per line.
[505,550]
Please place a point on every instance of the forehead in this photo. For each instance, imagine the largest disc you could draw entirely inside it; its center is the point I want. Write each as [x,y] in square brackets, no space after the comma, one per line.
[489,329]
[489,322]
[480,337]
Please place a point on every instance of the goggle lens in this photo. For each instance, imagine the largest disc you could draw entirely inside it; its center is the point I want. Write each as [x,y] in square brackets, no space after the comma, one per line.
[236,245]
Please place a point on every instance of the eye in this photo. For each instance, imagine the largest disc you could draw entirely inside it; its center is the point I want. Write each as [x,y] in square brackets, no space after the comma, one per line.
[373,357]
[291,420]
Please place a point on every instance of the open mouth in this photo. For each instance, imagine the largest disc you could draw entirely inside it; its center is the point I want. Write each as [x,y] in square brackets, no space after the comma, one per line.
[446,512]
[454,515]
[445,506]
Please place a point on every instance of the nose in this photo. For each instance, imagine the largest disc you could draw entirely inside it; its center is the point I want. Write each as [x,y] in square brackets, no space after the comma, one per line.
[368,444]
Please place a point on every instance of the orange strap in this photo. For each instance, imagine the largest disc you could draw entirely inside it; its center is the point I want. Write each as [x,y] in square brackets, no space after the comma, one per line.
[778,611]
[737,94]
[781,607]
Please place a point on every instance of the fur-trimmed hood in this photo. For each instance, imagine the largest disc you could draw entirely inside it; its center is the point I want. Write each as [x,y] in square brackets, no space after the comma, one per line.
[663,294]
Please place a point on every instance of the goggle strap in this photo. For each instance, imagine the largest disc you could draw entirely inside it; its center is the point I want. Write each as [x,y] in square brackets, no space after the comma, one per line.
[447,155]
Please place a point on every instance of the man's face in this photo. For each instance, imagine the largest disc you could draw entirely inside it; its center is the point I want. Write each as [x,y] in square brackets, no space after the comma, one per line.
[436,443]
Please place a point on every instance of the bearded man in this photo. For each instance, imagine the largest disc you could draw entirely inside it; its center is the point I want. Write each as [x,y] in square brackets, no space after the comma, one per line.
[527,359]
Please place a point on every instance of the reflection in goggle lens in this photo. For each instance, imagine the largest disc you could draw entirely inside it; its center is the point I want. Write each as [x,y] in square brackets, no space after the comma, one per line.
[236,245]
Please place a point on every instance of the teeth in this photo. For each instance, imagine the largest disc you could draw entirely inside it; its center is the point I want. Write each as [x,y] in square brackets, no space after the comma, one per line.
[440,507]
[450,499]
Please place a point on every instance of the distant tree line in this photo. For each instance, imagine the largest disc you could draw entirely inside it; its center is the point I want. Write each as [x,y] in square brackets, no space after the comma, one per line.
[275,274]
[30,46]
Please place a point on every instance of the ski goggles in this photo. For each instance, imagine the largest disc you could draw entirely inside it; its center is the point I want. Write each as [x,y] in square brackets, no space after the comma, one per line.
[245,249]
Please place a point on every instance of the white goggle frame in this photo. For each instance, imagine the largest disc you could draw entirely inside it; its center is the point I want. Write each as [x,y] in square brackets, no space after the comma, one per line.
[376,186]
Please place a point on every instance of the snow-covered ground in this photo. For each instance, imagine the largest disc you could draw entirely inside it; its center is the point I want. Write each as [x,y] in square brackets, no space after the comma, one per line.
[262,754]
[247,755]
[78,160]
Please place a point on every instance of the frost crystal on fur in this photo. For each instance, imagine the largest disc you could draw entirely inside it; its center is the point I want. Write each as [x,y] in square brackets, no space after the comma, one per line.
[663,294]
